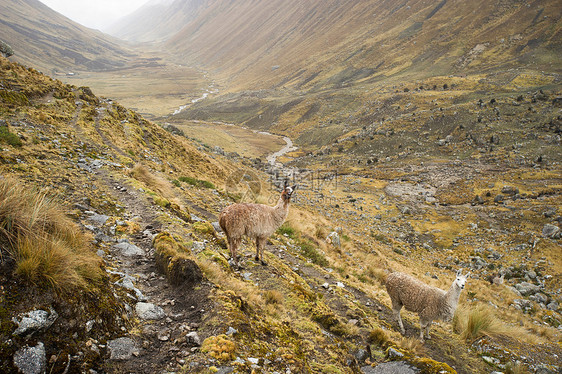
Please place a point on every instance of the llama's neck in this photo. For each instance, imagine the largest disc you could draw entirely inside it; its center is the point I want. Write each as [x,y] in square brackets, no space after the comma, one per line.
[280,211]
[451,300]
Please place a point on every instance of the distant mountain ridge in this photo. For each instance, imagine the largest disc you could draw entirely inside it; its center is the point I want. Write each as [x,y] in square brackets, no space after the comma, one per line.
[157,20]
[275,43]
[46,40]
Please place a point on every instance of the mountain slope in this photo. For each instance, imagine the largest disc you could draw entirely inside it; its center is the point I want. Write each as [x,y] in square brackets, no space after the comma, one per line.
[303,44]
[46,40]
[157,20]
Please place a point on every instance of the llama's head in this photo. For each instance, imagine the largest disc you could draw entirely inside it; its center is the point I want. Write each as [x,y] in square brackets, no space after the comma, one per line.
[288,192]
[460,281]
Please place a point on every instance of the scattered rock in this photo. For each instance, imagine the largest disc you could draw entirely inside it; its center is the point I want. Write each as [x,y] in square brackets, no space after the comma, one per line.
[526,288]
[225,370]
[393,367]
[193,339]
[100,219]
[34,321]
[128,249]
[361,356]
[31,360]
[551,231]
[334,239]
[231,331]
[149,311]
[393,353]
[198,246]
[552,306]
[122,348]
[127,282]
[216,226]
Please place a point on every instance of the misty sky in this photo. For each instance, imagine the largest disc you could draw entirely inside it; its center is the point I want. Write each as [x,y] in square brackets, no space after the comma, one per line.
[96,14]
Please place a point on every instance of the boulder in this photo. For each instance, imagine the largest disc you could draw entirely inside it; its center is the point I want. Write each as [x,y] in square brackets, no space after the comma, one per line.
[34,321]
[526,288]
[31,360]
[122,348]
[551,231]
[128,249]
[393,367]
[149,311]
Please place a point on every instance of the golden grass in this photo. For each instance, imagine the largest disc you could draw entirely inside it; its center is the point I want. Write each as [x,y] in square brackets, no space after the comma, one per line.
[474,322]
[224,279]
[273,297]
[412,344]
[48,248]
[142,174]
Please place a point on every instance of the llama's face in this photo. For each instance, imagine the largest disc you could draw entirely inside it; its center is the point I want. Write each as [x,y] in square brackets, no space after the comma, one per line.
[288,191]
[460,281]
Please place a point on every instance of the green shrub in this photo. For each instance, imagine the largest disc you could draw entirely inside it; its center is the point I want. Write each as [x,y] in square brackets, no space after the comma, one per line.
[9,138]
[286,229]
[309,251]
[197,182]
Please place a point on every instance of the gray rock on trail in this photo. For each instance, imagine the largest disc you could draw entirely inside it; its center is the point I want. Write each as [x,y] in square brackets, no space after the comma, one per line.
[100,219]
[127,282]
[393,367]
[122,348]
[31,360]
[34,321]
[193,339]
[128,249]
[149,311]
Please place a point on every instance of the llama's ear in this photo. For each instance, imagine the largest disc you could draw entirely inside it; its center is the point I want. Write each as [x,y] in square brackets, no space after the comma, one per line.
[459,272]
[294,188]
[285,184]
[467,275]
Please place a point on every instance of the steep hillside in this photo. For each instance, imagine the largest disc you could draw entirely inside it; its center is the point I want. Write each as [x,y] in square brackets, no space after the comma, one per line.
[157,20]
[46,40]
[331,44]
[151,289]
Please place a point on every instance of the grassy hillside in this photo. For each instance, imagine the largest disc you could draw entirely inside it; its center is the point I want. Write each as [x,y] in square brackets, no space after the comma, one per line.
[147,202]
[331,44]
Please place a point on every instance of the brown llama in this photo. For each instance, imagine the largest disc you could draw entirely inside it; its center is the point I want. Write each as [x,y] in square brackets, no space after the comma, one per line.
[256,221]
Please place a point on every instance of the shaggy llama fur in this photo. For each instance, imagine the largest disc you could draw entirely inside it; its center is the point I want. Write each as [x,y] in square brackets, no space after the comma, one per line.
[430,303]
[256,221]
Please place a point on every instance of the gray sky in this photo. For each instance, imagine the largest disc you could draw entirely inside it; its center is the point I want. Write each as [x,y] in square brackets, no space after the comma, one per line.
[96,14]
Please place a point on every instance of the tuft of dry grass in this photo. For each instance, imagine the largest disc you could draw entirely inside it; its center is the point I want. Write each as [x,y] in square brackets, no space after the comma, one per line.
[159,185]
[48,248]
[273,297]
[474,322]
[216,274]
[412,344]
[378,337]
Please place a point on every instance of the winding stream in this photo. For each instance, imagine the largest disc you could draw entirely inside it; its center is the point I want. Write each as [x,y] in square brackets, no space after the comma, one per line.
[289,147]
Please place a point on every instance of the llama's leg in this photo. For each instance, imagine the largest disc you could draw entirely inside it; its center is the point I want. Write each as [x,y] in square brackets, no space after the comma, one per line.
[427,336]
[396,307]
[260,244]
[257,249]
[424,327]
[233,244]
